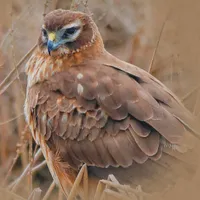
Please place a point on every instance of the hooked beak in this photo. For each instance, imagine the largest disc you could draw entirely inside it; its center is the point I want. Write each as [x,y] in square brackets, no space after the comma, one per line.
[51,42]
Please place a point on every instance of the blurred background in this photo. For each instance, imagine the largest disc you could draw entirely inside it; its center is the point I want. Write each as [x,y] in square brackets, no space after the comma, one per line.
[162,37]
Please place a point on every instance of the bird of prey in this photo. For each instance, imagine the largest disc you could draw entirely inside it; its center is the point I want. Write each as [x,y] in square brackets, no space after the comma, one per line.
[93,114]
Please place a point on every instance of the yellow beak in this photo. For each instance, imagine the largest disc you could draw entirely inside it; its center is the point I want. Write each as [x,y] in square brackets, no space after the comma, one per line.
[52,36]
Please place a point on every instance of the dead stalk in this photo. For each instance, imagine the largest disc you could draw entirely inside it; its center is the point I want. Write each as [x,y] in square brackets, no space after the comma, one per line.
[36,194]
[10,169]
[190,93]
[12,75]
[156,48]
[12,119]
[10,194]
[13,186]
[39,166]
[49,191]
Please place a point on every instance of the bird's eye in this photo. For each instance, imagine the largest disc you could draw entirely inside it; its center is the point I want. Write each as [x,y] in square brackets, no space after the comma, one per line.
[44,32]
[70,31]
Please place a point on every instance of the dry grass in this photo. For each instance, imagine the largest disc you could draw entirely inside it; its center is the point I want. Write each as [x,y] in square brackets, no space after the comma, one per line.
[159,36]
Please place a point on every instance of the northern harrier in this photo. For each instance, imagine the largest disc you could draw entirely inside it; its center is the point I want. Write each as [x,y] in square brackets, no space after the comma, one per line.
[85,106]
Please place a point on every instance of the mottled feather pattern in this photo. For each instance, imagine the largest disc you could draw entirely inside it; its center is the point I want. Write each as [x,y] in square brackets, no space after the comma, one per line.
[106,110]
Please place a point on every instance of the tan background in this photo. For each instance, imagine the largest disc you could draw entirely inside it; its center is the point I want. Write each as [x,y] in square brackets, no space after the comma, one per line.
[131,30]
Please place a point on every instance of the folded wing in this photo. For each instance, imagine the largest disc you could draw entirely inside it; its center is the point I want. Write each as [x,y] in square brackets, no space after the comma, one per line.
[105,116]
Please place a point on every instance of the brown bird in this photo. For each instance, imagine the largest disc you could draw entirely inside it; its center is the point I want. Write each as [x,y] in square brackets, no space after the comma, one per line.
[87,108]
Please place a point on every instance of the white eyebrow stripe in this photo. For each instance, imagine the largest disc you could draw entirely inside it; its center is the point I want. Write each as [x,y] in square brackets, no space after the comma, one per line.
[73,24]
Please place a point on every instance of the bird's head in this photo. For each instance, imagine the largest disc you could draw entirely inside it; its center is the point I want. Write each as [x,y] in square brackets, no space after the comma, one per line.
[67,32]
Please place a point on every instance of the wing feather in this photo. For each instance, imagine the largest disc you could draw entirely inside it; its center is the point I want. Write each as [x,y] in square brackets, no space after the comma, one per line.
[104,116]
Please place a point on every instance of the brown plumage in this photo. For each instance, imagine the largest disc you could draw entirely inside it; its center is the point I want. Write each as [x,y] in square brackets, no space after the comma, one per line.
[83,105]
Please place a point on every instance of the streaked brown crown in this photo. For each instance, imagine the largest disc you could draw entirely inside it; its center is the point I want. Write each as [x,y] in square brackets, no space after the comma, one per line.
[57,19]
